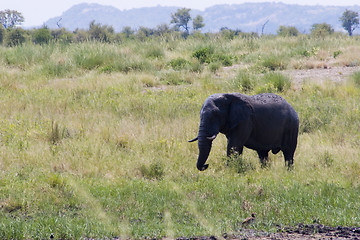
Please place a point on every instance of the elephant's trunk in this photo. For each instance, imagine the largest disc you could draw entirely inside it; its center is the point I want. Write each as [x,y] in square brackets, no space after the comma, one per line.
[204,151]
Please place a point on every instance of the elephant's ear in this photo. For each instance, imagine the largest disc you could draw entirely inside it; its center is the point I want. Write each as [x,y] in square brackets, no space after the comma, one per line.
[239,111]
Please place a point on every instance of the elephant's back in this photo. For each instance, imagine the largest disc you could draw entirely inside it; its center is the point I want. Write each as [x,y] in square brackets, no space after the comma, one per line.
[267,98]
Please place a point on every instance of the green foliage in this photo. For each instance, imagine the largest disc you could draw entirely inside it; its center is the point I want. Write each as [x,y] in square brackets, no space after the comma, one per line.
[288,31]
[203,54]
[244,81]
[154,171]
[10,18]
[102,33]
[179,63]
[208,55]
[321,30]
[356,78]
[181,19]
[278,81]
[350,21]
[62,35]
[42,36]
[198,22]
[337,53]
[175,78]
[154,52]
[2,34]
[274,62]
[239,164]
[15,37]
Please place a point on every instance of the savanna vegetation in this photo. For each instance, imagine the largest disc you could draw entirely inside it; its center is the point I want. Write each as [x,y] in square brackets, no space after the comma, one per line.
[93,137]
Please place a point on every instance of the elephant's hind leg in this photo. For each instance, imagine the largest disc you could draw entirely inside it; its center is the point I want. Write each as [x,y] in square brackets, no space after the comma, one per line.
[264,158]
[289,158]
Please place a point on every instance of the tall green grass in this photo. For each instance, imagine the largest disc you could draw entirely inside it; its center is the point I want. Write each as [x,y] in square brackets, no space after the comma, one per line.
[93,141]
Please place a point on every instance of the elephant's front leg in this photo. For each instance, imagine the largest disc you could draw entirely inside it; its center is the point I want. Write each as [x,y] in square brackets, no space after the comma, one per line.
[233,148]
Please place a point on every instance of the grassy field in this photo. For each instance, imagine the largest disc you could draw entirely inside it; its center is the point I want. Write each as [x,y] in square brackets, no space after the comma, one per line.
[93,138]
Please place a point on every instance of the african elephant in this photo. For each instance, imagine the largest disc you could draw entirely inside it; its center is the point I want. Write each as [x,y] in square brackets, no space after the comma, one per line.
[261,122]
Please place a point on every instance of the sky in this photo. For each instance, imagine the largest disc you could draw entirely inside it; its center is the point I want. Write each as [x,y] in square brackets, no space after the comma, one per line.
[37,12]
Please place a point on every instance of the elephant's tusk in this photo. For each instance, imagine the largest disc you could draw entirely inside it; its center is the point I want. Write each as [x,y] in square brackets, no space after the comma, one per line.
[212,137]
[193,140]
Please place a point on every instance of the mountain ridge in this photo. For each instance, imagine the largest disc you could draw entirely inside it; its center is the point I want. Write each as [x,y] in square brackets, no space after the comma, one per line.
[247,17]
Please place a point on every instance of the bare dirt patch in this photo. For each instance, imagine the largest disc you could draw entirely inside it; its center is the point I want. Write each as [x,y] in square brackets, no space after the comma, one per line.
[319,75]
[306,232]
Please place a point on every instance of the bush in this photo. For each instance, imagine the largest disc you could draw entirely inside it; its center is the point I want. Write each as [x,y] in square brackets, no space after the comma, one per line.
[208,55]
[278,81]
[154,52]
[274,62]
[2,34]
[15,37]
[321,30]
[244,81]
[214,66]
[42,36]
[239,164]
[57,69]
[179,63]
[175,78]
[288,31]
[154,171]
[203,54]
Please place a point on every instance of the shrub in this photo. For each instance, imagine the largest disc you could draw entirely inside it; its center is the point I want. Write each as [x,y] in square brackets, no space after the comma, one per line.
[244,81]
[203,54]
[2,33]
[288,31]
[179,63]
[214,66]
[42,36]
[239,163]
[321,30]
[57,69]
[175,78]
[225,60]
[15,37]
[278,81]
[154,52]
[154,171]
[274,62]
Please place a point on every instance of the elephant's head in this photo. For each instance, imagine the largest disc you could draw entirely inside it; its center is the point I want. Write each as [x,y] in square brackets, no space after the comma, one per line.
[219,113]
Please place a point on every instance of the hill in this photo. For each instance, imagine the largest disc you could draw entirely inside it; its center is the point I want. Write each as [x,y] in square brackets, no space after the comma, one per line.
[247,17]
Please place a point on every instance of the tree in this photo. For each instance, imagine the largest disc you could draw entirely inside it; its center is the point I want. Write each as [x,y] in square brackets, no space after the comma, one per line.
[2,34]
[15,37]
[42,35]
[100,32]
[198,22]
[11,18]
[128,32]
[181,19]
[287,31]
[350,21]
[321,30]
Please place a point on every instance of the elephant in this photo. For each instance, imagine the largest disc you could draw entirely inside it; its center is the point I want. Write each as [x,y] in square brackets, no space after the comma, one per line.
[260,122]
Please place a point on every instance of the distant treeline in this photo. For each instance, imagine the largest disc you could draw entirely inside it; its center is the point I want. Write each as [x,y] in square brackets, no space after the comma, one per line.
[10,35]
[103,33]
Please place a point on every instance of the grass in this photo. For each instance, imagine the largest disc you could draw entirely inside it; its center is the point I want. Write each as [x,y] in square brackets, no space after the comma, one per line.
[93,141]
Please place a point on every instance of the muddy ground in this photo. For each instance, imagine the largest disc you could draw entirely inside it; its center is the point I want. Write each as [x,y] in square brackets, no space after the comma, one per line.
[306,232]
